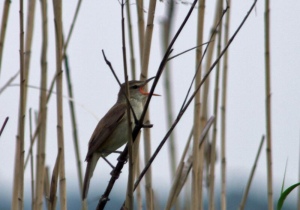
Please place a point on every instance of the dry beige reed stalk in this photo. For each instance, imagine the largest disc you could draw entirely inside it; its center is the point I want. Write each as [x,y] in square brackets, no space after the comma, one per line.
[141,27]
[31,162]
[72,111]
[129,192]
[268,106]
[137,172]
[199,54]
[57,7]
[135,149]
[18,188]
[130,37]
[205,90]
[42,116]
[71,103]
[209,56]
[5,13]
[198,163]
[47,188]
[223,113]
[74,128]
[143,76]
[215,110]
[54,181]
[28,41]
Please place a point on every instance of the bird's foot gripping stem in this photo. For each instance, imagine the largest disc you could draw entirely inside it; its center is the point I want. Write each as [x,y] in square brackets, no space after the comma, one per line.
[147,125]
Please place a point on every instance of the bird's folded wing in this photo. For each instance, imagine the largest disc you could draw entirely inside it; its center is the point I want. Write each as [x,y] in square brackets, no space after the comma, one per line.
[105,127]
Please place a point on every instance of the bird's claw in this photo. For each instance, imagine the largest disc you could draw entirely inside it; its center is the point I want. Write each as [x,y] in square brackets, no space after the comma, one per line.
[147,125]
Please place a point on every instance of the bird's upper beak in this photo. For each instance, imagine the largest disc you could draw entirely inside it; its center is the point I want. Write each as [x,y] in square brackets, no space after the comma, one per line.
[142,91]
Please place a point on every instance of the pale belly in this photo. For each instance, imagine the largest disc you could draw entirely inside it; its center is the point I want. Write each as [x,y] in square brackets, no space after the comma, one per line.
[118,138]
[120,135]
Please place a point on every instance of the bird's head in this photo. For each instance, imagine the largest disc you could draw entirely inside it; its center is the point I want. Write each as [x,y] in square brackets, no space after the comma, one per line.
[136,90]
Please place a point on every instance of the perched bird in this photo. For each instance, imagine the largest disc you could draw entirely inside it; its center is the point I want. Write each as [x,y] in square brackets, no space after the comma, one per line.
[112,130]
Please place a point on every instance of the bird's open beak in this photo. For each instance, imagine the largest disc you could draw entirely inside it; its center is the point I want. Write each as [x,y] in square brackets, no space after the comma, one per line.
[142,91]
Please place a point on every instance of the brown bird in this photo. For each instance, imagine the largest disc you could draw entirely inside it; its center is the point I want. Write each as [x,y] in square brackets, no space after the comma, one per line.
[112,130]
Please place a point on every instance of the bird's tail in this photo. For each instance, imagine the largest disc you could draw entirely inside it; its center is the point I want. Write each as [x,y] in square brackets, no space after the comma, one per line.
[88,174]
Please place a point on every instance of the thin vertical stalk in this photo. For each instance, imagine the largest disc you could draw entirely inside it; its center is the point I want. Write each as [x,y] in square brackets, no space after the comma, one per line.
[54,181]
[74,127]
[41,144]
[28,41]
[137,170]
[223,112]
[204,96]
[47,188]
[148,40]
[3,27]
[130,182]
[268,105]
[143,76]
[167,28]
[71,103]
[216,108]
[130,36]
[57,6]
[199,55]
[197,170]
[72,26]
[31,162]
[141,27]
[18,190]
[187,197]
[245,195]
[14,204]
[141,31]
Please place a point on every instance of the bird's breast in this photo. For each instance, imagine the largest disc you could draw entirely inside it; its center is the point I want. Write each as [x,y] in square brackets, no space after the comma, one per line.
[119,136]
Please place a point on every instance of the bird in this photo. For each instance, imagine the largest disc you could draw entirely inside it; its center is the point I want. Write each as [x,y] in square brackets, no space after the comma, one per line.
[112,130]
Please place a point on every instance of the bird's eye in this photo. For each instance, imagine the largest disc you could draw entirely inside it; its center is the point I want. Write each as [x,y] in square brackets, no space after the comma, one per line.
[134,87]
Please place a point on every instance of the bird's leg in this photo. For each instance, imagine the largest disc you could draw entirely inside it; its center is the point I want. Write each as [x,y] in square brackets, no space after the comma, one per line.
[109,163]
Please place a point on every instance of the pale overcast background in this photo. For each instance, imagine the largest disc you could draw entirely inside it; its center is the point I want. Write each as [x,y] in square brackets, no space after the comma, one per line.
[95,89]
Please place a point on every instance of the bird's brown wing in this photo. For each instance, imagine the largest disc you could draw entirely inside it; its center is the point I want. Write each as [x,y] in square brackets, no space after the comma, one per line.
[105,128]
